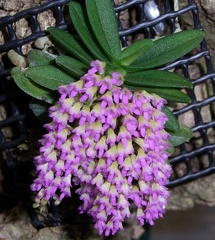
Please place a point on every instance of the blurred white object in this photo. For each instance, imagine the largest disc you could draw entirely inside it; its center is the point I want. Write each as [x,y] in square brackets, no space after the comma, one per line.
[151,11]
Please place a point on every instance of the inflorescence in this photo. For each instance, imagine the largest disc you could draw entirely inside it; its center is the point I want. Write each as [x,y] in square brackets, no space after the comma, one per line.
[111,143]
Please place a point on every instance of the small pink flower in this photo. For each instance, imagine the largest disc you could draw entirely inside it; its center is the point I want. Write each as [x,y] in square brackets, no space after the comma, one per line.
[112,144]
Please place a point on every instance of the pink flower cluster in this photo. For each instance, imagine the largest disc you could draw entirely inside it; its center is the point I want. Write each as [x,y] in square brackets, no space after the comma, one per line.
[111,143]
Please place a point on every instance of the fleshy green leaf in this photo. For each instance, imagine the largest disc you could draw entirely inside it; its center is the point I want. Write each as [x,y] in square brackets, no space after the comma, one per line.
[171,149]
[169,48]
[157,78]
[133,51]
[40,110]
[38,58]
[184,134]
[48,76]
[81,23]
[172,123]
[32,88]
[71,65]
[171,95]
[67,42]
[103,21]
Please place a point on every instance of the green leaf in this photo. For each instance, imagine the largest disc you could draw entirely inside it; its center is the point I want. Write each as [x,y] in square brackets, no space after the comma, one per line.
[81,23]
[69,44]
[40,110]
[171,149]
[169,48]
[71,66]
[172,123]
[48,76]
[103,21]
[157,78]
[38,58]
[172,95]
[133,51]
[32,88]
[184,134]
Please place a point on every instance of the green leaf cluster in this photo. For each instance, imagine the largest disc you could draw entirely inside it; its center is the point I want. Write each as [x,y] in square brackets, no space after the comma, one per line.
[97,37]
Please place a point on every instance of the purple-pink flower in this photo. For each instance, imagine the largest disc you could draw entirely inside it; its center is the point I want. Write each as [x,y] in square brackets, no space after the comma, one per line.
[109,141]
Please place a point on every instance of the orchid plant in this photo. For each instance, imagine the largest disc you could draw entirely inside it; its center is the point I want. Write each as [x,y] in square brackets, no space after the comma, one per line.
[111,131]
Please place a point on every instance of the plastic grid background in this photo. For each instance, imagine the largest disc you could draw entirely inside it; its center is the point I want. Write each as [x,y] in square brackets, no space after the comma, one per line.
[17,117]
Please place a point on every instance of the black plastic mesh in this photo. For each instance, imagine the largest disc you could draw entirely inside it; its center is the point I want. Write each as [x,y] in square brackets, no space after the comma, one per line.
[192,160]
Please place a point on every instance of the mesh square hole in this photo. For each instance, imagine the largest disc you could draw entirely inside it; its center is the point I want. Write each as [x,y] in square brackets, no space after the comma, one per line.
[4,34]
[197,141]
[23,27]
[211,135]
[206,114]
[187,19]
[200,163]
[188,117]
[197,68]
[179,170]
[46,19]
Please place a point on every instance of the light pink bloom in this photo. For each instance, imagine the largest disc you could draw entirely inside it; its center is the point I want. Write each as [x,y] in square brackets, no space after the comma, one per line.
[110,142]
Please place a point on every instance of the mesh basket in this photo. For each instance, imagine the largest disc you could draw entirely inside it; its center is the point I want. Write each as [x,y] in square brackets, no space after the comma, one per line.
[191,160]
